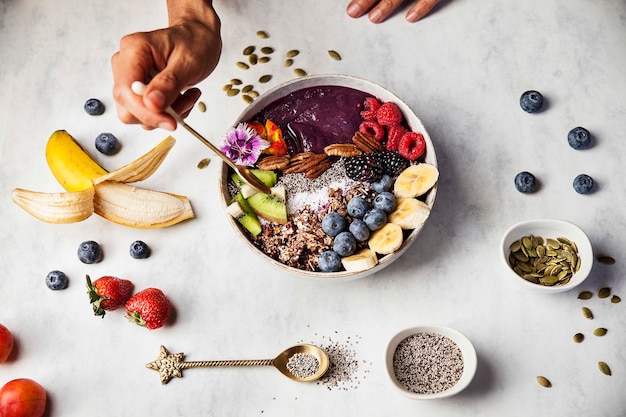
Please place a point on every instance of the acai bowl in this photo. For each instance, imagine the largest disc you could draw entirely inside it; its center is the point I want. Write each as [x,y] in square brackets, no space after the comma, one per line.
[353,174]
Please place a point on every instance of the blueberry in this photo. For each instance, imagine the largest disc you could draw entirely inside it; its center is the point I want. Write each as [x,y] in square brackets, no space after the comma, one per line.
[359,230]
[375,219]
[344,244]
[583,184]
[329,261]
[383,184]
[333,224]
[107,144]
[94,107]
[578,138]
[525,182]
[89,252]
[357,207]
[56,280]
[139,250]
[385,201]
[531,101]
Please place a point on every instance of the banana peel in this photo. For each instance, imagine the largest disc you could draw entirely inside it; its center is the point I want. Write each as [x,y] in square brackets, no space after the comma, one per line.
[92,189]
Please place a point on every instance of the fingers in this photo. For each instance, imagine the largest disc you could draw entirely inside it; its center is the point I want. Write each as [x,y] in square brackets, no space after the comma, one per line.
[420,9]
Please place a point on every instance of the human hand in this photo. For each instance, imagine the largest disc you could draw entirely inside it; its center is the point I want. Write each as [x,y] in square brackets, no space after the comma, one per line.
[379,10]
[179,57]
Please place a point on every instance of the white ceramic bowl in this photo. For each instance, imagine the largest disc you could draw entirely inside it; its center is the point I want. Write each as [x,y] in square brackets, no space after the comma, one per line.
[468,353]
[548,228]
[331,80]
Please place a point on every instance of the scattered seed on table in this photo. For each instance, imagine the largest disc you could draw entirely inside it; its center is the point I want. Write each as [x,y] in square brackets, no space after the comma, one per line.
[265,78]
[235,81]
[292,53]
[288,62]
[578,338]
[267,50]
[204,163]
[604,368]
[600,331]
[544,382]
[243,65]
[334,55]
[585,295]
[253,59]
[227,87]
[299,72]
[253,93]
[264,59]
[201,106]
[615,299]
[248,50]
[247,88]
[604,292]
[232,92]
[608,260]
[247,98]
[587,313]
[261,34]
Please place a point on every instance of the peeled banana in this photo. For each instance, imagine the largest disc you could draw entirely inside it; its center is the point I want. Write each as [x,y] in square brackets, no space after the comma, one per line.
[67,207]
[410,213]
[387,239]
[137,207]
[360,261]
[71,165]
[415,180]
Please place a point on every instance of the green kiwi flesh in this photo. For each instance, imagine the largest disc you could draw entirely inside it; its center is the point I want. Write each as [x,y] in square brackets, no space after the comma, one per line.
[268,178]
[249,220]
[268,206]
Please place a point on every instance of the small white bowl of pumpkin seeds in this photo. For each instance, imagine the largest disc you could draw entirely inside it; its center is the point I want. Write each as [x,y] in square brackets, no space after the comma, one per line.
[546,255]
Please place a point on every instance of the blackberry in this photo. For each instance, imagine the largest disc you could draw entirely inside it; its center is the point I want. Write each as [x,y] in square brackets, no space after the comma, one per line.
[365,168]
[392,162]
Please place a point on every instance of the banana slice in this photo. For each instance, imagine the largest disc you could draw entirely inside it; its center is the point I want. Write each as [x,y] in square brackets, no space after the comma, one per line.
[387,239]
[415,180]
[360,261]
[142,167]
[67,207]
[137,207]
[70,164]
[410,213]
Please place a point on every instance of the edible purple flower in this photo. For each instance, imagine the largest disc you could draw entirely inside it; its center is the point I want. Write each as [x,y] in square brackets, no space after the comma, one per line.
[243,145]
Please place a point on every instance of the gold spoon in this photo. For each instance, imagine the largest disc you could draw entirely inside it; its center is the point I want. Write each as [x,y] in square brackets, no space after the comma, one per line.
[138,88]
[170,365]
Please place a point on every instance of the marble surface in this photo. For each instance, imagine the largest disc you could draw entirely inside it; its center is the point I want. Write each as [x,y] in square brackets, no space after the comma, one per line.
[462,69]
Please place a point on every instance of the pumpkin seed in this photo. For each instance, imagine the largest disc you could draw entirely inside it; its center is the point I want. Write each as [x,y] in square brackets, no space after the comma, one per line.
[249,49]
[334,55]
[201,106]
[261,34]
[247,88]
[585,295]
[243,65]
[247,98]
[235,81]
[615,299]
[264,59]
[226,87]
[605,259]
[265,78]
[288,63]
[600,331]
[604,368]
[253,59]
[267,50]
[587,313]
[253,93]
[604,292]
[544,382]
[578,338]
[292,53]
[232,92]
[299,72]
[204,163]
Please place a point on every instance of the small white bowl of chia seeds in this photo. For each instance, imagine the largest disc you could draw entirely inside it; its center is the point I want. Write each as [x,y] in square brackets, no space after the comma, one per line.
[546,255]
[430,362]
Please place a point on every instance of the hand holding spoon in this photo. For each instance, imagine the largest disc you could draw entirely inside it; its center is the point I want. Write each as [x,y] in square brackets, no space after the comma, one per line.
[171,365]
[138,88]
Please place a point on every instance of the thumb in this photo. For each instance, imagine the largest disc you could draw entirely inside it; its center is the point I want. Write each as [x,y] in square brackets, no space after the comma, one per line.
[163,90]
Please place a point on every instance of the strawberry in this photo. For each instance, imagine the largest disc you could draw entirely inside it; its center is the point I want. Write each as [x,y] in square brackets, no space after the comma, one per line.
[149,308]
[388,114]
[108,293]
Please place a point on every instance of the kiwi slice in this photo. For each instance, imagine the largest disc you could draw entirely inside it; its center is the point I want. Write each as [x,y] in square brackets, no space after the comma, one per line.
[269,206]
[248,219]
[268,178]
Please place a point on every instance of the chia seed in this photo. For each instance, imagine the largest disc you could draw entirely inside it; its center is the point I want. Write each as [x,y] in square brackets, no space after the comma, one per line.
[303,365]
[427,363]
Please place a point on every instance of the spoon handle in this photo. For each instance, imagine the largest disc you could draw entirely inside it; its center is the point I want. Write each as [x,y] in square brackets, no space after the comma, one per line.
[213,364]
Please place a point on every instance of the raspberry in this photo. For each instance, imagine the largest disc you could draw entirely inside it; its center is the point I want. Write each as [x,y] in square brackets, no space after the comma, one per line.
[389,114]
[373,129]
[393,137]
[412,146]
[371,105]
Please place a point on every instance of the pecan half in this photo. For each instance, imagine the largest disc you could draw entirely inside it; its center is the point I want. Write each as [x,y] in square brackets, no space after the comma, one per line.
[270,163]
[342,149]
[318,169]
[366,143]
[303,165]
